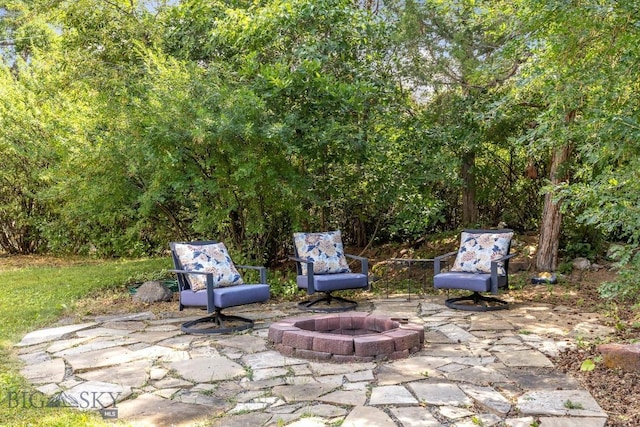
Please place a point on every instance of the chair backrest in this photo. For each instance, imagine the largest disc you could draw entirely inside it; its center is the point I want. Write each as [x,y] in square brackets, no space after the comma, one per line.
[503,271]
[491,231]
[183,283]
[316,247]
[488,230]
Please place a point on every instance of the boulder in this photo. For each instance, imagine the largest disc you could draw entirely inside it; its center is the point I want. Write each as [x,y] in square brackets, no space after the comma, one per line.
[596,267]
[153,291]
[621,356]
[581,264]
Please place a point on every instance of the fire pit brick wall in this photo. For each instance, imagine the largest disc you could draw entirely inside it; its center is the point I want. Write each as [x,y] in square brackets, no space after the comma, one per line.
[346,337]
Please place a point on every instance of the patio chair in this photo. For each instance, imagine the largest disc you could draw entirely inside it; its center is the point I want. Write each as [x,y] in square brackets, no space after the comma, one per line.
[207,278]
[322,267]
[481,265]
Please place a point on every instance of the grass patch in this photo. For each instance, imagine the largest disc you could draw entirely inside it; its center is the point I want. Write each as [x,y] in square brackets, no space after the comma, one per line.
[34,297]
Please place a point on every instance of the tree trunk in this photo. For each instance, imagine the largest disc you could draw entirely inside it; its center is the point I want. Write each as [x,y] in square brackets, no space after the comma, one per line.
[467,173]
[547,257]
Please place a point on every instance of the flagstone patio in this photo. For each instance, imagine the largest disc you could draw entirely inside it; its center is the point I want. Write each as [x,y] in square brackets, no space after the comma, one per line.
[474,369]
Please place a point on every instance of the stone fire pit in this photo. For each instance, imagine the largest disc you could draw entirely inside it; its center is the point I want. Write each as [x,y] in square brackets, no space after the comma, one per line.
[346,337]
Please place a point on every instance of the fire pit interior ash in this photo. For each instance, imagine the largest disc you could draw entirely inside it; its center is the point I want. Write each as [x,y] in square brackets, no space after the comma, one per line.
[346,337]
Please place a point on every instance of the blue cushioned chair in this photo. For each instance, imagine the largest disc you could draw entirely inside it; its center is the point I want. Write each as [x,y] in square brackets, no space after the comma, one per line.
[329,282]
[215,299]
[477,282]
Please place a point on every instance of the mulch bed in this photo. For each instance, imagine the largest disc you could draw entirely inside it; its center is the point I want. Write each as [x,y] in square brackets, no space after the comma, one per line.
[616,391]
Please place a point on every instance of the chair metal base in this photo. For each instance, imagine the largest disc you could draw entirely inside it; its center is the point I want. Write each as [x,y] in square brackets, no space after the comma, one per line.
[311,305]
[478,303]
[218,319]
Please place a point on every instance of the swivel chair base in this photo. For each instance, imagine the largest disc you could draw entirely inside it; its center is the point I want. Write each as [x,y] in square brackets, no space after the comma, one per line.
[478,303]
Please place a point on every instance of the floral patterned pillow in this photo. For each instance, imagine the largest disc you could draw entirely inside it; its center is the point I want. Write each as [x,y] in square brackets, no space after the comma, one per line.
[477,250]
[324,249]
[213,258]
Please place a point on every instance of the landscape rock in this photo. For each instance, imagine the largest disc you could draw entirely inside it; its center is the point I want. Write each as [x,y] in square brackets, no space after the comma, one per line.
[581,264]
[621,356]
[153,291]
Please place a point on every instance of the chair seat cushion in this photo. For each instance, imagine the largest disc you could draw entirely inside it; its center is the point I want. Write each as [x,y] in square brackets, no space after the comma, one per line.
[476,282]
[238,295]
[334,282]
[228,296]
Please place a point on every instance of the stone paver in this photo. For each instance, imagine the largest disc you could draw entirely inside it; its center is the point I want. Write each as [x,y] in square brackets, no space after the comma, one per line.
[440,394]
[302,392]
[454,413]
[101,358]
[391,395]
[134,374]
[414,368]
[346,397]
[93,395]
[559,402]
[207,369]
[473,369]
[488,398]
[480,375]
[571,422]
[524,358]
[415,416]
[366,416]
[51,334]
[45,372]
[153,410]
[455,333]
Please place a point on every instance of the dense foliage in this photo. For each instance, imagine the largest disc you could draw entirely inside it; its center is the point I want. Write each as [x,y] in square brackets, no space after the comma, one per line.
[127,124]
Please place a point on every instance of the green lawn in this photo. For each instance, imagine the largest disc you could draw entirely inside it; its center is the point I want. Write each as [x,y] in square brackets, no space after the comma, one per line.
[34,297]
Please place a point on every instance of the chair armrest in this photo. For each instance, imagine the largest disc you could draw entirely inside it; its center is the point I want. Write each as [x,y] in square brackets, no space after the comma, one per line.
[310,287]
[210,304]
[187,272]
[438,259]
[494,271]
[299,260]
[364,265]
[261,270]
[505,260]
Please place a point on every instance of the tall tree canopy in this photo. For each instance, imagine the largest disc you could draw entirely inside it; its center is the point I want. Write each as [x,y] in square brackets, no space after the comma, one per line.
[581,74]
[233,119]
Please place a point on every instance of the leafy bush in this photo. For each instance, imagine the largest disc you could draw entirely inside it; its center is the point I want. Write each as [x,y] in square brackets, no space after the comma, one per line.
[627,286]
